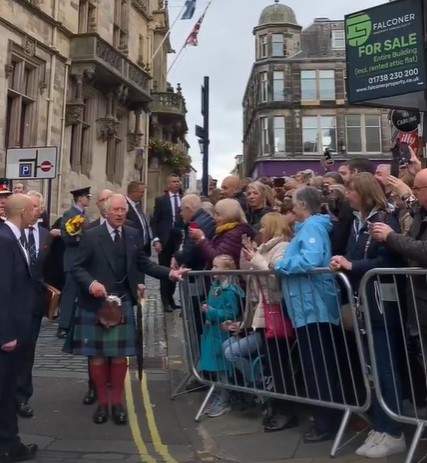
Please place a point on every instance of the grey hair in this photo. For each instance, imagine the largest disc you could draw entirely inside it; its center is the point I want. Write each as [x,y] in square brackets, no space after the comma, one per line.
[36,194]
[113,197]
[192,201]
[310,198]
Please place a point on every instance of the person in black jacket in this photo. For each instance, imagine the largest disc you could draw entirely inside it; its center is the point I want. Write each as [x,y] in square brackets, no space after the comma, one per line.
[16,289]
[363,254]
[167,228]
[110,262]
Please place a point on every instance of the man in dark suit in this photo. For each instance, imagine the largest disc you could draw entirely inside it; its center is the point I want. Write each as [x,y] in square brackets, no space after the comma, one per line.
[167,228]
[81,199]
[16,288]
[136,217]
[36,240]
[110,261]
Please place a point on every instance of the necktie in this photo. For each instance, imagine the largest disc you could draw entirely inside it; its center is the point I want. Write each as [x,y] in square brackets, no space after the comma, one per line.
[117,236]
[31,246]
[176,208]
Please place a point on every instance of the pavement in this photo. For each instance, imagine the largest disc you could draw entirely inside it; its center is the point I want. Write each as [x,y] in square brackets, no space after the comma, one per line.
[160,429]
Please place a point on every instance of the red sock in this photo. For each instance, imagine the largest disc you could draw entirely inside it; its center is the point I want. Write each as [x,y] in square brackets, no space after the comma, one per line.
[118,375]
[99,375]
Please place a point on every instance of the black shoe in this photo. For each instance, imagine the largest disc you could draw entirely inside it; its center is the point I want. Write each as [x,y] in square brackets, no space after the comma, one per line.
[314,436]
[280,422]
[24,410]
[101,414]
[176,307]
[90,397]
[21,452]
[61,333]
[119,414]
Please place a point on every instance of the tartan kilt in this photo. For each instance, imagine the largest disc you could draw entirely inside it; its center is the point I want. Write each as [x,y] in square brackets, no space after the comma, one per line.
[90,339]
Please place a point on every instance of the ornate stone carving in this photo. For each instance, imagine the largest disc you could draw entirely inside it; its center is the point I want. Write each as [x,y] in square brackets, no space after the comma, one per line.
[142,6]
[29,46]
[8,69]
[107,127]
[109,54]
[134,140]
[138,76]
[74,113]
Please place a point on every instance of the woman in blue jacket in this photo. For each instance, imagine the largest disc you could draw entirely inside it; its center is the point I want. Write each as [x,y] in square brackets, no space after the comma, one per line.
[363,254]
[313,306]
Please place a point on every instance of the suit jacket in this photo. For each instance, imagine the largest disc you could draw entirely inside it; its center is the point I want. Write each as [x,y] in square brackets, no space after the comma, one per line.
[15,290]
[133,221]
[162,221]
[95,261]
[71,242]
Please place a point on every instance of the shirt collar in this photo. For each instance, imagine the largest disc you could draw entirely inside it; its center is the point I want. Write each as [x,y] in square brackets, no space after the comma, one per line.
[171,195]
[15,230]
[102,220]
[111,229]
[79,208]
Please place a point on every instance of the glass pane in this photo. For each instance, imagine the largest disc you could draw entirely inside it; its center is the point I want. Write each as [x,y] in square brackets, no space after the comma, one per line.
[308,74]
[353,120]
[277,45]
[329,74]
[338,39]
[354,140]
[327,121]
[309,122]
[327,85]
[279,122]
[373,140]
[310,135]
[279,89]
[372,121]
[329,139]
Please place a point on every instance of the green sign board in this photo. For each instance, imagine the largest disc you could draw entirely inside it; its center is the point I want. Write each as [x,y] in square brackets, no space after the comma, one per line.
[385,51]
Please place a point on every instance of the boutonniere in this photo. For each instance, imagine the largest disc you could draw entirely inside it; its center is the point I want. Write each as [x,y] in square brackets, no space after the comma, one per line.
[74,226]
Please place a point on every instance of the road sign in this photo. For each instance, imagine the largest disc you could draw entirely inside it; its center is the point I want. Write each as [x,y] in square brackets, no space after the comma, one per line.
[31,163]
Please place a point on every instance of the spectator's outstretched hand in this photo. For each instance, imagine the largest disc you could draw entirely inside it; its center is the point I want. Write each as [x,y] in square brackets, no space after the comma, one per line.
[380,231]
[179,274]
[196,234]
[399,187]
[340,263]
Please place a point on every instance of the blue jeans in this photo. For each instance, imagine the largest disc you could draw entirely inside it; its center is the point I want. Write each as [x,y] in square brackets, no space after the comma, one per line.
[390,380]
[241,352]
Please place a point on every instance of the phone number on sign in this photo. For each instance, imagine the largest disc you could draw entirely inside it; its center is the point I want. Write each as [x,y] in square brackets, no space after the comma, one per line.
[394,76]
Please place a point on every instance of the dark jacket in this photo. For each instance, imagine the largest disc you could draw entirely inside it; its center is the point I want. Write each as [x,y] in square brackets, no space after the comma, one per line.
[95,261]
[71,242]
[342,222]
[229,243]
[413,248]
[190,255]
[54,262]
[254,217]
[133,221]
[162,222]
[15,290]
[241,197]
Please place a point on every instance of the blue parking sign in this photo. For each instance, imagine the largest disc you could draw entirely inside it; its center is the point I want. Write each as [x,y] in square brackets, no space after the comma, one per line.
[25,169]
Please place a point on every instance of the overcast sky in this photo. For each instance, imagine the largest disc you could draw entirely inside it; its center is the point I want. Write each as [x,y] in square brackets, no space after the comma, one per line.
[226,53]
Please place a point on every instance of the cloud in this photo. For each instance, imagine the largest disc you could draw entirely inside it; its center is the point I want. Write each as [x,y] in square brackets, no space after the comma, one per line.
[226,53]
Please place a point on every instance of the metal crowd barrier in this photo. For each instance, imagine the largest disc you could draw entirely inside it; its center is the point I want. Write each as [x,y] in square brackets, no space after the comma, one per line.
[320,364]
[396,326]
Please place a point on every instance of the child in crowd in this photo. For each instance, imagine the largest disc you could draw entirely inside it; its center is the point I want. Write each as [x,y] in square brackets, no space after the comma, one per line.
[223,305]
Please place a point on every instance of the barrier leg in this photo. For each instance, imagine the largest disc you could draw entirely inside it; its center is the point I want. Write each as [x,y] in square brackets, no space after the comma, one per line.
[340,433]
[414,443]
[179,389]
[203,406]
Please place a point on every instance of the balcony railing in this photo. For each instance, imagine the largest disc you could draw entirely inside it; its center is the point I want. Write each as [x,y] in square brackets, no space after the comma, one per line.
[168,103]
[112,67]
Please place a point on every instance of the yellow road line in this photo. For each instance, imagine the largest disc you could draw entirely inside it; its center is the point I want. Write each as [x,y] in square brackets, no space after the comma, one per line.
[134,425]
[159,446]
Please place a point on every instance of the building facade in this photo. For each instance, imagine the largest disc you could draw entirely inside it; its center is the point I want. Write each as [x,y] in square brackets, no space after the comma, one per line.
[295,105]
[80,75]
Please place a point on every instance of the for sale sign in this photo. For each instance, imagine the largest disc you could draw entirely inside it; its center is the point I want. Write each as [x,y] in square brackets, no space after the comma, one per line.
[385,51]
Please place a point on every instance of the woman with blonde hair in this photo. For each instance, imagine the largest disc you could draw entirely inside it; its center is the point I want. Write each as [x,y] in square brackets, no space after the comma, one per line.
[231,227]
[260,199]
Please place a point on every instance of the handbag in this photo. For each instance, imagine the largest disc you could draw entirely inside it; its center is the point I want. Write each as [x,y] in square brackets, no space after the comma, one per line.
[110,314]
[277,324]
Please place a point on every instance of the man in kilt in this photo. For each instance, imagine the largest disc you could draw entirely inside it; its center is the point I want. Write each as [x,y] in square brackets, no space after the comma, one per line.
[110,262]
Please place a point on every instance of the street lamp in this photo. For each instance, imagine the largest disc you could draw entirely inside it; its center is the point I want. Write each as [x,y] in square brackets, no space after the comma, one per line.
[202,145]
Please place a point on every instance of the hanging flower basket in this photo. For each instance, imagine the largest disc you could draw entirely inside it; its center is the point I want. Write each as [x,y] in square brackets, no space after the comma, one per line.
[170,155]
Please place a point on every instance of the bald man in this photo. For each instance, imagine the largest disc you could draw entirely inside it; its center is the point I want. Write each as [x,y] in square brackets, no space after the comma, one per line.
[15,321]
[231,187]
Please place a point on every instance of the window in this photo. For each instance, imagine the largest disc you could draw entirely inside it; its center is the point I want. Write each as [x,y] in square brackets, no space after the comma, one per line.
[319,133]
[264,87]
[317,85]
[279,134]
[277,45]
[265,148]
[87,18]
[21,100]
[363,133]
[278,86]
[263,47]
[121,18]
[82,138]
[338,39]
[116,152]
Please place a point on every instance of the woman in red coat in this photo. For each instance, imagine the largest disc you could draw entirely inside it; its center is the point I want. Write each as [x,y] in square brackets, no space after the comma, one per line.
[231,227]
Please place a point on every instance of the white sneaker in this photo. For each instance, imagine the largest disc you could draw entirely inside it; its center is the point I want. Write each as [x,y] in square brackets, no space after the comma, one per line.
[371,440]
[388,445]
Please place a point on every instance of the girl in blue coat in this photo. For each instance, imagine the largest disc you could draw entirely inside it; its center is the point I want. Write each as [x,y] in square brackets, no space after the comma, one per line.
[223,305]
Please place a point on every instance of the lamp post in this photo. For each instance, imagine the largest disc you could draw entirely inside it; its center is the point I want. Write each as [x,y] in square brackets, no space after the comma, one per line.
[203,134]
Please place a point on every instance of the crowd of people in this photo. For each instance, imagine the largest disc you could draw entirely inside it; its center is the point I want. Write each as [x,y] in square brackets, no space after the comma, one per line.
[353,220]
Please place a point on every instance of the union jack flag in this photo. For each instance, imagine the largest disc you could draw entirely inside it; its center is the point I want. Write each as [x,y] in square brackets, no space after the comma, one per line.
[410,138]
[193,38]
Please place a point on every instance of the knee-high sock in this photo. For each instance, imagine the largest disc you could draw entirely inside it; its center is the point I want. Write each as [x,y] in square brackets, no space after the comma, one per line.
[118,375]
[99,374]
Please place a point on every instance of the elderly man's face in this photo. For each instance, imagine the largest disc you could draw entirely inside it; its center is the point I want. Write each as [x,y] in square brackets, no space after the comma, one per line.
[116,214]
[187,213]
[382,173]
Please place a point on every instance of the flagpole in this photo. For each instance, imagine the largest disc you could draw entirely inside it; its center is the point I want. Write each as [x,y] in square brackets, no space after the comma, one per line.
[168,33]
[176,58]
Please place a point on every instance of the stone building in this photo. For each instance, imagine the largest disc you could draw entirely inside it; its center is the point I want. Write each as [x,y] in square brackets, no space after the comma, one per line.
[79,75]
[295,102]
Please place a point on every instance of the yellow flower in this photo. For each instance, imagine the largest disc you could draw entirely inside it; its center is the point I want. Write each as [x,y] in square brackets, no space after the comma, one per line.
[74,225]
